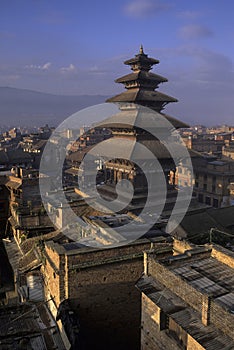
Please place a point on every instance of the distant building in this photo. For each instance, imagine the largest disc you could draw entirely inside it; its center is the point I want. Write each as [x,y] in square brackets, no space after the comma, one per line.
[206,145]
[14,133]
[4,205]
[228,152]
[212,180]
[88,137]
[10,157]
[27,216]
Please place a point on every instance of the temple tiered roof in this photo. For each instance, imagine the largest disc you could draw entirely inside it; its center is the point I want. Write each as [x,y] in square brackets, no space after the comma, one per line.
[141,84]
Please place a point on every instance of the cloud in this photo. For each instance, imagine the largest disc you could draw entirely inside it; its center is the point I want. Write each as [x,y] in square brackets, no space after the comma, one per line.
[45,66]
[69,69]
[198,64]
[145,8]
[203,82]
[96,70]
[195,31]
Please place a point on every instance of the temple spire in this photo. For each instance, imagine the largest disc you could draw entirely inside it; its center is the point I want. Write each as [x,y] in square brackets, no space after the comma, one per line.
[141,50]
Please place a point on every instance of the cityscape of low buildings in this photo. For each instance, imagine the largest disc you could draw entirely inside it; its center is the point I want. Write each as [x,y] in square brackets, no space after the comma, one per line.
[94,284]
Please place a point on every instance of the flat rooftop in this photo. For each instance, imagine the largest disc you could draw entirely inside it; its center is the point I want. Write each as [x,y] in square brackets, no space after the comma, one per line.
[207,336]
[209,270]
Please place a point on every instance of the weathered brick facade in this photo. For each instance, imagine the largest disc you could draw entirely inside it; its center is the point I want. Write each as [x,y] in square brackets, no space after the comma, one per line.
[187,300]
[101,287]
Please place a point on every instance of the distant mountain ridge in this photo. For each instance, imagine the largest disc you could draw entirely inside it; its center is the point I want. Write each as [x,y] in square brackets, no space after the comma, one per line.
[32,108]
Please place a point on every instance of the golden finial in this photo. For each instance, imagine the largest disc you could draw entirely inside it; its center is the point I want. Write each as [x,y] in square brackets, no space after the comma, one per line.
[141,50]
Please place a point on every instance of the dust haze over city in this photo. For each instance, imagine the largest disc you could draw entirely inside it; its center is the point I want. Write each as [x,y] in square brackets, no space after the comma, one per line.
[116,175]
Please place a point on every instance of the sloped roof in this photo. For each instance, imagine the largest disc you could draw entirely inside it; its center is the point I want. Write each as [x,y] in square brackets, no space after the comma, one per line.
[141,75]
[78,156]
[134,151]
[138,95]
[39,144]
[144,118]
[29,261]
[175,122]
[223,216]
[13,184]
[200,222]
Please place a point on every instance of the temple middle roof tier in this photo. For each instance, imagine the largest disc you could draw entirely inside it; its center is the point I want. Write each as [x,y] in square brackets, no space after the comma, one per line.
[143,97]
[141,78]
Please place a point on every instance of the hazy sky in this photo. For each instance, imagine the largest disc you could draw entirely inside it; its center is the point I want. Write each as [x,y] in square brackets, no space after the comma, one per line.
[77,47]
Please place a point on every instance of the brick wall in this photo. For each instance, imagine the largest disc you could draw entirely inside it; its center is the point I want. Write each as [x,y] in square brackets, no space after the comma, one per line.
[108,303]
[222,319]
[223,255]
[53,274]
[101,287]
[151,336]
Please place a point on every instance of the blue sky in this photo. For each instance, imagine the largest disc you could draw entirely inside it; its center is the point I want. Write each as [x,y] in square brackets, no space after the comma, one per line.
[78,47]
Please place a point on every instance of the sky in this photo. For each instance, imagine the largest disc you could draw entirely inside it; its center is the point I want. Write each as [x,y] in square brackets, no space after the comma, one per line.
[78,47]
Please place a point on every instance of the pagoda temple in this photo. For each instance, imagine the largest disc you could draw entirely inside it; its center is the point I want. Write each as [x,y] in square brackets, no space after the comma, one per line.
[141,90]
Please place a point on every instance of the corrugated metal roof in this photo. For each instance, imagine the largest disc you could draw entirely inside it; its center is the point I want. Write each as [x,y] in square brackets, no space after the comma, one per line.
[227,300]
[38,343]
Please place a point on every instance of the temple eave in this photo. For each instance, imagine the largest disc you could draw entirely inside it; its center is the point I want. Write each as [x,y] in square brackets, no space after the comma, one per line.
[141,58]
[138,96]
[142,76]
[176,122]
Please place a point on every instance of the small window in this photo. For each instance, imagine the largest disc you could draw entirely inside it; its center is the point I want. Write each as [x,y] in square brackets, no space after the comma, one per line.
[200,198]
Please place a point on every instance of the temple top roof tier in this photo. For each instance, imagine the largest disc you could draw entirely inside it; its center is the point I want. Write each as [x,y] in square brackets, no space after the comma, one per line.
[141,62]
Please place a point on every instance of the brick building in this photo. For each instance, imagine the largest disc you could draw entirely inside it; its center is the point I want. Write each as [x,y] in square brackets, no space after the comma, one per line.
[188,300]
[100,286]
[228,152]
[27,216]
[212,180]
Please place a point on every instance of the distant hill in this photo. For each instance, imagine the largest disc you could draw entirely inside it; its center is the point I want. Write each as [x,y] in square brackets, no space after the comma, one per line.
[31,108]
